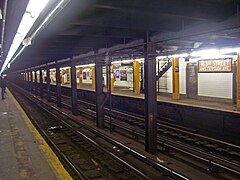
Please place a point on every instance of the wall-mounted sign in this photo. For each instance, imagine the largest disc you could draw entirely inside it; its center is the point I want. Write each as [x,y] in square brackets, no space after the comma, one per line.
[215,65]
[177,69]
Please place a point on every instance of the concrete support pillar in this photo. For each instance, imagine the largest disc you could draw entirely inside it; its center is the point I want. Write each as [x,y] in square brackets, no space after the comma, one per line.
[136,85]
[175,79]
[150,98]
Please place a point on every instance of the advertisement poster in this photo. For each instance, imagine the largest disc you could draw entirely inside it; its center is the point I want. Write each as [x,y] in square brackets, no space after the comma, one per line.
[123,75]
[84,75]
[117,73]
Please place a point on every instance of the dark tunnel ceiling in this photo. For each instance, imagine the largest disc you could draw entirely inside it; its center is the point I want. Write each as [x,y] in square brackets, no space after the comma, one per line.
[86,25]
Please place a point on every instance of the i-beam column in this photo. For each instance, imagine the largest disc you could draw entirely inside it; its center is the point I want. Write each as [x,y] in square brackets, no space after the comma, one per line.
[31,81]
[238,80]
[150,98]
[48,85]
[35,83]
[58,83]
[74,89]
[99,92]
[41,83]
[27,80]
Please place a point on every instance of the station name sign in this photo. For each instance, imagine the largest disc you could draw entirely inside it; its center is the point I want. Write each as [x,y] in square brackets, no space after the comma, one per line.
[215,65]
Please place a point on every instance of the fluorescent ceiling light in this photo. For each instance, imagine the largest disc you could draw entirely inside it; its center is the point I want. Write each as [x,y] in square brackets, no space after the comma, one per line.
[161,57]
[64,68]
[123,61]
[34,8]
[229,50]
[208,53]
[85,65]
[214,53]
[179,55]
[1,16]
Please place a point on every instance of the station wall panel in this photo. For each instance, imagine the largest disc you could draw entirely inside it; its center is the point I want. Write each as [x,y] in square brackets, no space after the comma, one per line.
[182,75]
[169,80]
[215,85]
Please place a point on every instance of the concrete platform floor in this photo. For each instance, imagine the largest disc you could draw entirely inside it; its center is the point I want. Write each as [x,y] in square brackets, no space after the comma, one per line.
[23,152]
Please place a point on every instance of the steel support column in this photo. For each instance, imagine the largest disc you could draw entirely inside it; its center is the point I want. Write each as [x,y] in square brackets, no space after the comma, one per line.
[35,83]
[142,80]
[69,72]
[58,84]
[175,78]
[41,83]
[26,80]
[48,85]
[238,80]
[99,92]
[150,98]
[158,81]
[31,81]
[112,78]
[234,83]
[74,89]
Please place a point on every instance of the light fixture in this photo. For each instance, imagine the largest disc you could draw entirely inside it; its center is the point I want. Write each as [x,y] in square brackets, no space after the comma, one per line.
[123,61]
[34,8]
[206,53]
[85,65]
[214,53]
[1,16]
[64,68]
[161,57]
[178,55]
[229,50]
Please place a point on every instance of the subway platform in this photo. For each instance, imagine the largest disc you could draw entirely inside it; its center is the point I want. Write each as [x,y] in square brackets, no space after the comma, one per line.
[24,154]
[215,105]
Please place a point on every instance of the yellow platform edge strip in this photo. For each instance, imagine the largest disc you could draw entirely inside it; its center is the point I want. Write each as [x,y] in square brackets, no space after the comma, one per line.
[49,155]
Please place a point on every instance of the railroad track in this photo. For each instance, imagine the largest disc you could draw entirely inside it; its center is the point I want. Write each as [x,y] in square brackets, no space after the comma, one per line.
[216,155]
[82,152]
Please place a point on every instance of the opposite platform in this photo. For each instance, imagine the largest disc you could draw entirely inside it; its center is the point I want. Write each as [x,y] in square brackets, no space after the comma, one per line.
[183,101]
[24,154]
